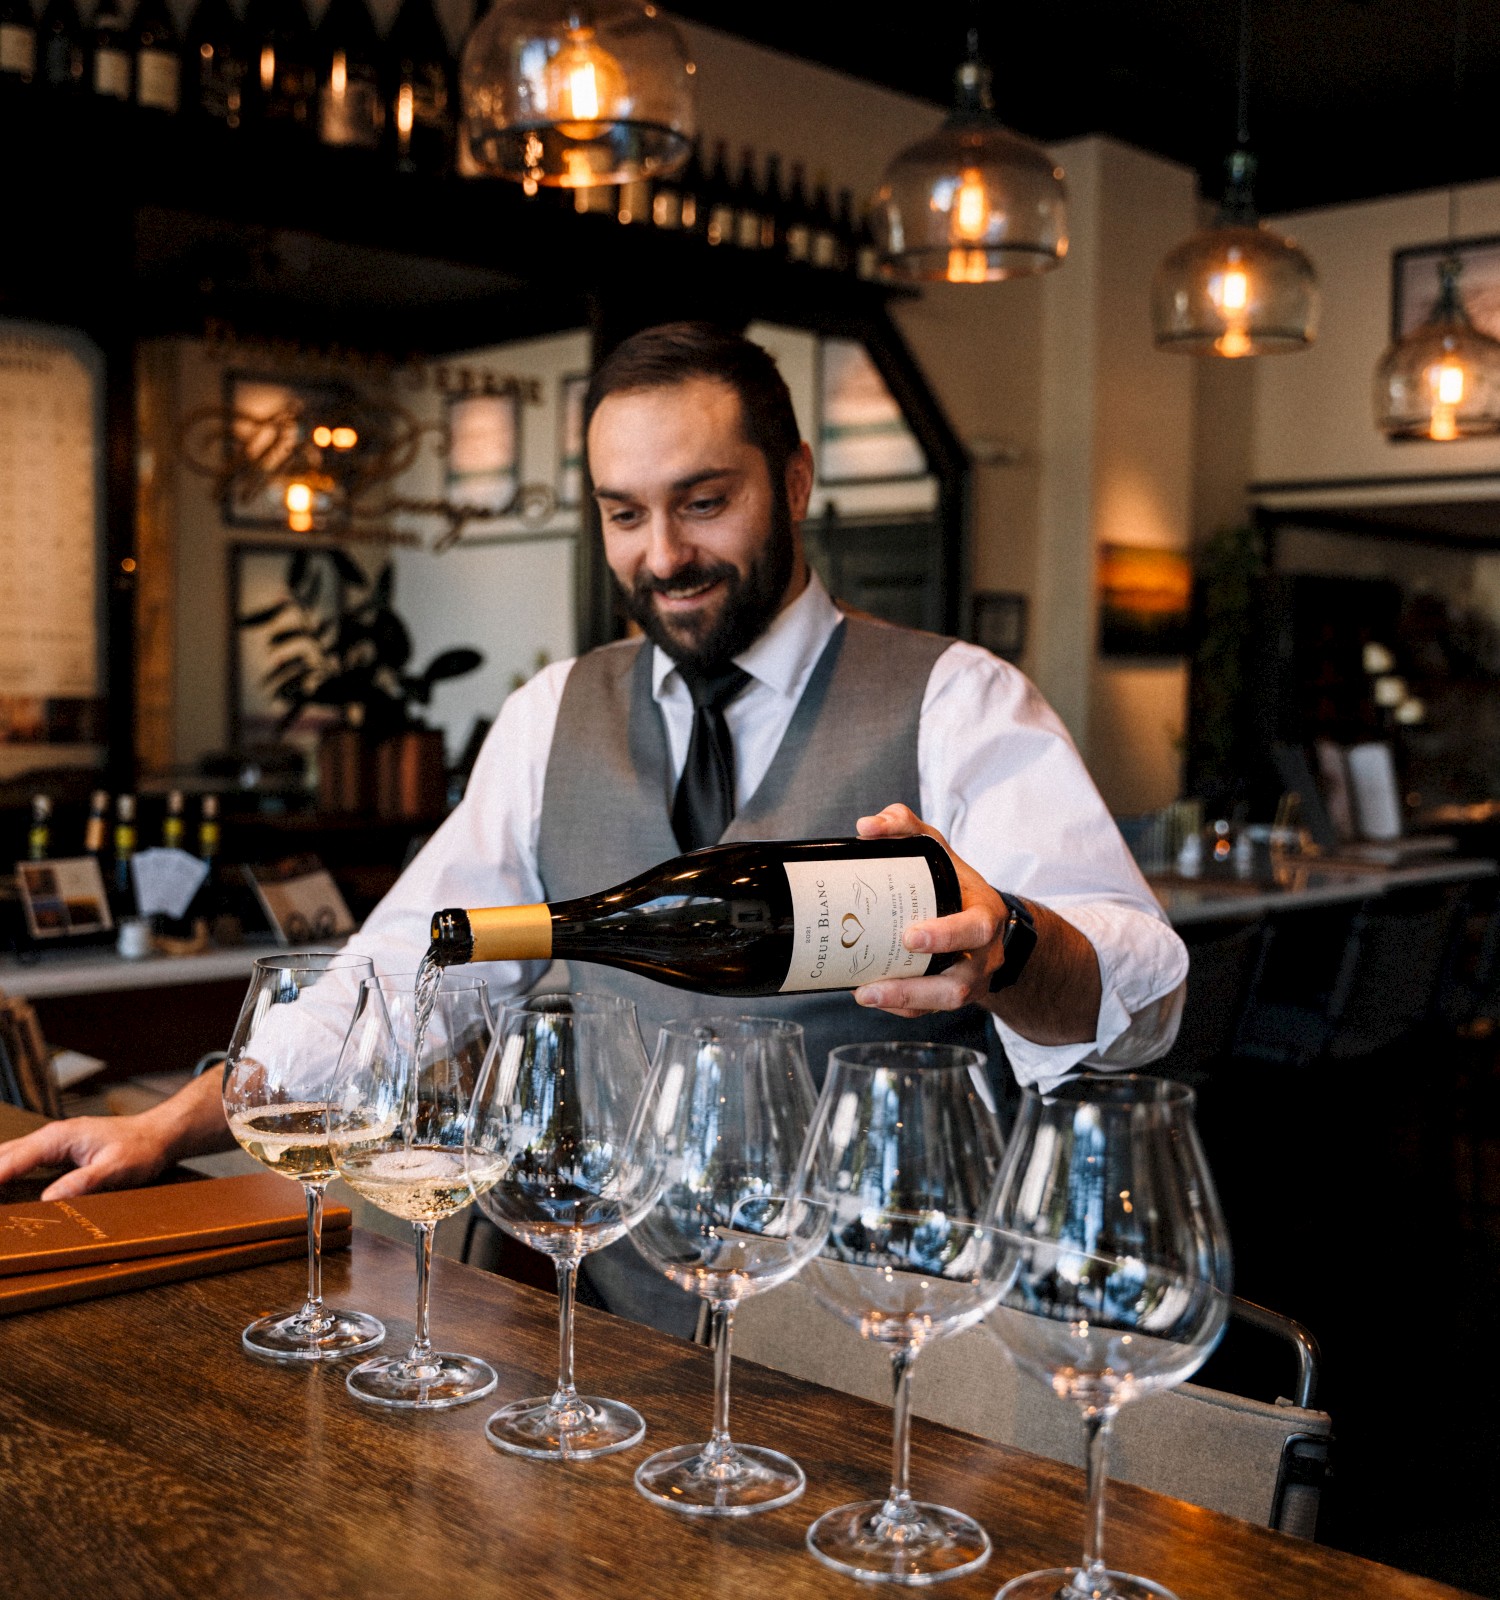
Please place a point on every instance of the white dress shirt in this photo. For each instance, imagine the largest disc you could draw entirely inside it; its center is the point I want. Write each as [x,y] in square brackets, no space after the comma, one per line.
[1000,779]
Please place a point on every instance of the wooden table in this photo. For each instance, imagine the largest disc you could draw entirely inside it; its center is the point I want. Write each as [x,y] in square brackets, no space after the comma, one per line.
[143,1455]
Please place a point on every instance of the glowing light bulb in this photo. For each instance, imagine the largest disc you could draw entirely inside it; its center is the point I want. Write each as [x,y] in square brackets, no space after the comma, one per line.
[1450,383]
[968,266]
[405,111]
[971,207]
[345,438]
[338,75]
[1234,341]
[1445,381]
[1235,291]
[299,498]
[582,84]
[267,68]
[322,437]
[1229,290]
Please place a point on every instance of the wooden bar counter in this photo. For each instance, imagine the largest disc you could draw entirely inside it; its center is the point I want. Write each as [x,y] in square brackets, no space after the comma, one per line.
[142,1454]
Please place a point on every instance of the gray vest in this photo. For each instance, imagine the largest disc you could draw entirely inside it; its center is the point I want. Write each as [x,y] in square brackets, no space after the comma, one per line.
[851,749]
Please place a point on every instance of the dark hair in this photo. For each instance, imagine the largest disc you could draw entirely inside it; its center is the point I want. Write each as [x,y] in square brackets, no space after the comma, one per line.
[676,351]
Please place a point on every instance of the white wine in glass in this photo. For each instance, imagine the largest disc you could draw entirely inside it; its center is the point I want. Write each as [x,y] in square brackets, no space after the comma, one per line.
[277,1079]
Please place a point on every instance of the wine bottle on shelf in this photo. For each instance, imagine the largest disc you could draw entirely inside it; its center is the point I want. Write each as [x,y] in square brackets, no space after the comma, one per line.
[96,831]
[18,52]
[773,206]
[173,825]
[846,230]
[351,110]
[421,94]
[62,49]
[158,62]
[666,202]
[718,227]
[635,201]
[39,834]
[824,247]
[114,53]
[217,65]
[692,209]
[797,229]
[749,204]
[868,263]
[123,894]
[283,81]
[759,918]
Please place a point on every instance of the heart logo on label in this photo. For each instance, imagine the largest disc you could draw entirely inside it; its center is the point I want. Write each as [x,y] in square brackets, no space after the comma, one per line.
[854,930]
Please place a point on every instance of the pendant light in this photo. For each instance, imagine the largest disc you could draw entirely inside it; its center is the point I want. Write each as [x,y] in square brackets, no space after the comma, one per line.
[1441,381]
[1237,288]
[573,96]
[974,202]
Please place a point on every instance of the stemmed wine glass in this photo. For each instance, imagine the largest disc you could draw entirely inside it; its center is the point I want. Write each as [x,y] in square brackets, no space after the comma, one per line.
[398,1115]
[729,1103]
[277,1079]
[560,1089]
[905,1145]
[1122,1277]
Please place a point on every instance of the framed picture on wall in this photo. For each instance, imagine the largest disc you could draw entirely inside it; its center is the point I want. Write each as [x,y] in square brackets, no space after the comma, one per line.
[1144,597]
[284,603]
[1000,624]
[1414,283]
[862,435]
[571,392]
[484,451]
[273,419]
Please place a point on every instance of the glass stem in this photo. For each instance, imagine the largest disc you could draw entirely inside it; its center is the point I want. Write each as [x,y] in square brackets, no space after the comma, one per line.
[313,1310]
[901,1365]
[719,1442]
[1096,1424]
[565,1394]
[421,1345]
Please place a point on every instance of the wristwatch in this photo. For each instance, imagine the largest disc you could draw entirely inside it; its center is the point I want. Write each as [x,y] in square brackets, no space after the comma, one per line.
[1017,941]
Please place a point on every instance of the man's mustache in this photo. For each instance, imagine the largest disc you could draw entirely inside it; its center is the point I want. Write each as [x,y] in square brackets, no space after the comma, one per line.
[693,577]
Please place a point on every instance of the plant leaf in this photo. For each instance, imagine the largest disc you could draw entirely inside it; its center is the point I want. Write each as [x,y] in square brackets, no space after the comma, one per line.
[347,567]
[286,635]
[258,619]
[451,664]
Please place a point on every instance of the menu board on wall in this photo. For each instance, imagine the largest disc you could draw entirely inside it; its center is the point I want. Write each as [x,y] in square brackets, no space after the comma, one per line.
[50,505]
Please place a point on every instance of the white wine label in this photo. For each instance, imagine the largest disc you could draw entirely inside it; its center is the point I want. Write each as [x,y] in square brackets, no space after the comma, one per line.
[849,918]
[666,208]
[17,49]
[825,250]
[112,73]
[156,79]
[747,230]
[798,242]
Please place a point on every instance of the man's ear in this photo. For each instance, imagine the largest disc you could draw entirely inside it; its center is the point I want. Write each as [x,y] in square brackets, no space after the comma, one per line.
[799,481]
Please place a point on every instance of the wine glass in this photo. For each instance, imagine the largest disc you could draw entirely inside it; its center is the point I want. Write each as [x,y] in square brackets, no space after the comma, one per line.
[560,1089]
[728,1103]
[398,1115]
[905,1146]
[277,1079]
[1122,1277]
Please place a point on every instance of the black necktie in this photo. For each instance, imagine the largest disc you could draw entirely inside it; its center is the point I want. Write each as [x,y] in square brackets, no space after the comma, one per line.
[705,792]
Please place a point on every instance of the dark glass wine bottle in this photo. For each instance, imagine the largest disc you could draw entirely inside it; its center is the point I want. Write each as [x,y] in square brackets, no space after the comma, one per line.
[122,895]
[283,81]
[718,227]
[749,206]
[351,111]
[62,47]
[217,65]
[421,93]
[158,60]
[692,204]
[113,52]
[773,207]
[759,918]
[666,202]
[824,248]
[18,52]
[797,229]
[39,835]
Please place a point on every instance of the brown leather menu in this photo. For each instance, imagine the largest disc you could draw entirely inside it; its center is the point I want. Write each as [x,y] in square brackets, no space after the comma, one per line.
[32,1291]
[164,1220]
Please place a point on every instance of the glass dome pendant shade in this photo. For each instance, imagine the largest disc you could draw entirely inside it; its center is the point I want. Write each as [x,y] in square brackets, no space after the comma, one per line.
[574,96]
[1237,288]
[974,202]
[1442,380]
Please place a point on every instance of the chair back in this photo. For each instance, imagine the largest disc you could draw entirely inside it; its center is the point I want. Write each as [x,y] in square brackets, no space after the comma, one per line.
[1222,958]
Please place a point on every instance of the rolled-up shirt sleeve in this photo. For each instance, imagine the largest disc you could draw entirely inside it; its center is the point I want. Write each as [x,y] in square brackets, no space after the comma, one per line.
[1005,785]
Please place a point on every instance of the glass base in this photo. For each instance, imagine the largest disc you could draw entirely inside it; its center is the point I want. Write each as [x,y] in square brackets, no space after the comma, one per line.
[919,1544]
[1073,1583]
[294,1337]
[744,1479]
[588,1427]
[435,1384]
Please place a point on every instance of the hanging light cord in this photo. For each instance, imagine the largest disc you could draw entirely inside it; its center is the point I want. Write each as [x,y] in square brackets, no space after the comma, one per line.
[1243,120]
[1460,52]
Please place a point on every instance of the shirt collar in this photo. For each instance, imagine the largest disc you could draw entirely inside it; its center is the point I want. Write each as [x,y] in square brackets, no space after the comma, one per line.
[783,656]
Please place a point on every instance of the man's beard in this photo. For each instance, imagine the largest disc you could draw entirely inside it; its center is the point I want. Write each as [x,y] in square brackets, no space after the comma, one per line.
[750,601]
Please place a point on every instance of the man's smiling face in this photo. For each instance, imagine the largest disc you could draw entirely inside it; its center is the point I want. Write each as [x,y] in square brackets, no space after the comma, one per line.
[703,545]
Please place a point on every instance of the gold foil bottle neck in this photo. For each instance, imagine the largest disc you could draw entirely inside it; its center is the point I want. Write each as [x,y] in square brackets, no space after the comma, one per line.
[511,933]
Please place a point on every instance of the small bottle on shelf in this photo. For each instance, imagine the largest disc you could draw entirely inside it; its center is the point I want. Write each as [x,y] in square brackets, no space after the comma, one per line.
[209,835]
[773,206]
[39,835]
[62,47]
[824,247]
[719,193]
[217,65]
[283,82]
[18,53]
[114,53]
[96,829]
[158,63]
[125,840]
[351,111]
[421,95]
[173,827]
[749,204]
[797,230]
[868,264]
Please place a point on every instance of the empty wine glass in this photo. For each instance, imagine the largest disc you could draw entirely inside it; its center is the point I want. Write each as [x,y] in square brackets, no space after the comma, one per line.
[277,1078]
[1122,1277]
[729,1103]
[905,1146]
[398,1116]
[559,1092]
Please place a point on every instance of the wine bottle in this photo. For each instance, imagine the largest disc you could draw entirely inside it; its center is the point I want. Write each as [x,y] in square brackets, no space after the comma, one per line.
[758,918]
[158,66]
[421,96]
[748,204]
[96,829]
[824,247]
[62,47]
[773,207]
[692,208]
[17,43]
[719,193]
[351,111]
[217,65]
[125,838]
[39,835]
[283,82]
[797,232]
[173,826]
[114,51]
[666,202]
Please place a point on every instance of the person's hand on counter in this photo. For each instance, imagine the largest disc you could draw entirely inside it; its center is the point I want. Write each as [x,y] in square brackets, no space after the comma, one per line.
[119,1152]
